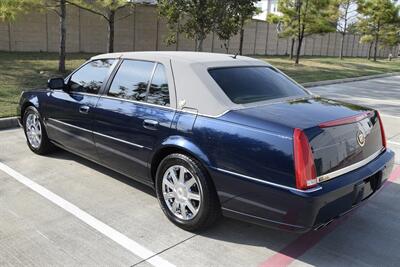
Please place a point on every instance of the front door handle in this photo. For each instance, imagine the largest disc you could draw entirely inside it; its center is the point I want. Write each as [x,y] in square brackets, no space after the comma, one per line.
[84,109]
[150,124]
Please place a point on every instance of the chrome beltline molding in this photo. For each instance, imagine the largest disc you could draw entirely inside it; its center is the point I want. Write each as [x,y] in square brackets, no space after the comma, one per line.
[96,133]
[331,175]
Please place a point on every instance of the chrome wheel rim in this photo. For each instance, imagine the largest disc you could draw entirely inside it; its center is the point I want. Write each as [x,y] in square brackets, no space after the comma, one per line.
[182,192]
[33,130]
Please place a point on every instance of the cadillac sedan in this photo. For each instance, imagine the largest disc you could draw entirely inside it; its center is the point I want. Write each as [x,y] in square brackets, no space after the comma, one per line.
[214,134]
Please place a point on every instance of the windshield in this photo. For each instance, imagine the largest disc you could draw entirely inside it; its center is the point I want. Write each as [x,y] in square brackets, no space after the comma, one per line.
[252,84]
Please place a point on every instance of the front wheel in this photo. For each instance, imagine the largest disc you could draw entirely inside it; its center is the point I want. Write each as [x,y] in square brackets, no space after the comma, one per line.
[185,192]
[35,132]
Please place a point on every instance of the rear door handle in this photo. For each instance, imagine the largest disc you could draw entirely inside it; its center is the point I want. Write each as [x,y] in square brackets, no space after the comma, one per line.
[84,109]
[150,124]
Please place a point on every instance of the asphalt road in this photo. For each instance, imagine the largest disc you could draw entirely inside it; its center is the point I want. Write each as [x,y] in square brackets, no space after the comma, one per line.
[63,210]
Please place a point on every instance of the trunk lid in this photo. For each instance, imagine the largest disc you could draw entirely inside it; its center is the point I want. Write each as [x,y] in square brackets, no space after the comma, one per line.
[334,147]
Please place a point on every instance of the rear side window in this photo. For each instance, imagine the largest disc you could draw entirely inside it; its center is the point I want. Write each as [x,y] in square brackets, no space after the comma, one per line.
[131,80]
[251,84]
[91,76]
[158,91]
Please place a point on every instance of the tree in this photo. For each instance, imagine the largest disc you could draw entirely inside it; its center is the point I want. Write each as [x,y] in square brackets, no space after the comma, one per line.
[284,31]
[195,18]
[9,9]
[302,18]
[231,16]
[107,9]
[347,12]
[367,39]
[376,18]
[245,10]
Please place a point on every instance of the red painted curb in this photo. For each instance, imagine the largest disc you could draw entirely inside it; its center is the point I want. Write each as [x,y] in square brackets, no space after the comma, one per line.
[308,240]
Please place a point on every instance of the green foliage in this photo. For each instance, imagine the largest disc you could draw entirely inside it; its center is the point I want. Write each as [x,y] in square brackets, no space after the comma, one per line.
[197,18]
[9,9]
[380,19]
[301,18]
[231,16]
[103,8]
[366,39]
[194,18]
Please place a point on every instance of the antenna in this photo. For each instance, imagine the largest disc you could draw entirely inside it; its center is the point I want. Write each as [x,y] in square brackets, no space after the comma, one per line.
[234,56]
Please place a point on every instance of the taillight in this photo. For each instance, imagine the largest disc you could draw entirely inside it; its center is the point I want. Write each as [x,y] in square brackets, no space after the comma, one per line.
[306,175]
[382,130]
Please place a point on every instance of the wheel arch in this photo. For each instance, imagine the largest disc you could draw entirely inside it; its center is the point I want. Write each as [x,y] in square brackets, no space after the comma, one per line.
[29,102]
[178,145]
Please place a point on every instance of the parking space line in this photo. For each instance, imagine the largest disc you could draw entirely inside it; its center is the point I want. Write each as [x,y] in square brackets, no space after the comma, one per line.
[393,142]
[390,116]
[101,227]
[306,241]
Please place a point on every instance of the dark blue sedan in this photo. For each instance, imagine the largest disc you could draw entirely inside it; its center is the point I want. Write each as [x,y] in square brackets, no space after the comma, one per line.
[214,134]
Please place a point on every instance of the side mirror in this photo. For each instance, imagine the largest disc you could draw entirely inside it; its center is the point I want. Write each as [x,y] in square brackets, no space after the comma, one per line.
[56,83]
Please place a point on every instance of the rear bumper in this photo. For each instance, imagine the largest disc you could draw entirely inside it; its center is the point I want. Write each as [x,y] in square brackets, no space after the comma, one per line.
[298,211]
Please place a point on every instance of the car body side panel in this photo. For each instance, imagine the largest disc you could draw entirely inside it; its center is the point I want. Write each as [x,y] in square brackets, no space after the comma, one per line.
[122,141]
[65,123]
[233,147]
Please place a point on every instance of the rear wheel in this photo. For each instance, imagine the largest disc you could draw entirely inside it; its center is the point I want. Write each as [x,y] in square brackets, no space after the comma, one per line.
[185,192]
[35,132]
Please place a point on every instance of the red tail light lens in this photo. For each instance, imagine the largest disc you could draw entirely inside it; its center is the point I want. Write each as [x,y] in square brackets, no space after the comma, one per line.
[382,130]
[306,175]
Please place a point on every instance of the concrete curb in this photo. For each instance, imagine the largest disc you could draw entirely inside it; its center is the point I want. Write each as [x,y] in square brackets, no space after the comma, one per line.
[9,123]
[361,78]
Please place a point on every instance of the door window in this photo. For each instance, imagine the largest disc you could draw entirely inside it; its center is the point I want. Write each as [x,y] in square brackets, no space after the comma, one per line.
[91,76]
[131,80]
[158,91]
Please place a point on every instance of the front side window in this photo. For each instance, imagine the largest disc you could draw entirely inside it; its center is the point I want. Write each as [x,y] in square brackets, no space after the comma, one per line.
[91,76]
[158,91]
[131,80]
[252,84]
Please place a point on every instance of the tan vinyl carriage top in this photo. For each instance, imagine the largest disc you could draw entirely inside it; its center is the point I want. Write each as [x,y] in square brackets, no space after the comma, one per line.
[192,87]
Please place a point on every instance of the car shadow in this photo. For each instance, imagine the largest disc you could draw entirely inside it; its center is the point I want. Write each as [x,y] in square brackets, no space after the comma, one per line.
[62,154]
[349,239]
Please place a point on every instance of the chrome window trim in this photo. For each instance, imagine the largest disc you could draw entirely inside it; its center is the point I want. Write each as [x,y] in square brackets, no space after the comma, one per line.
[137,102]
[97,133]
[334,174]
[270,183]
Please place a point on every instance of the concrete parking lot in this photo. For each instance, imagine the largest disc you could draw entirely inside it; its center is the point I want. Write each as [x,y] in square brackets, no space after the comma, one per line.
[63,210]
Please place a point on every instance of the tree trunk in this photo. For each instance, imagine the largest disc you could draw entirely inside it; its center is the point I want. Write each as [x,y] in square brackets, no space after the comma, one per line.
[298,50]
[199,44]
[342,46]
[111,30]
[376,46]
[63,34]
[241,37]
[291,49]
[369,51]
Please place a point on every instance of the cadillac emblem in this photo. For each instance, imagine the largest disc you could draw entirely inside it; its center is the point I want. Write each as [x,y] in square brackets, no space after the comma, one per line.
[360,138]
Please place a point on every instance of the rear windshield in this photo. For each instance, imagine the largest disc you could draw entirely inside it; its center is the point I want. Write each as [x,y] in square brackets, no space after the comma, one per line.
[251,84]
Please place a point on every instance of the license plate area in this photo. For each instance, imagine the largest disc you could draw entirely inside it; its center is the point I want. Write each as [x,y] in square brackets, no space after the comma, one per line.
[367,187]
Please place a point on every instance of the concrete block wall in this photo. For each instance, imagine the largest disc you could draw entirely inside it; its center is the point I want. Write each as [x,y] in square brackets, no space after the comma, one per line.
[140,29]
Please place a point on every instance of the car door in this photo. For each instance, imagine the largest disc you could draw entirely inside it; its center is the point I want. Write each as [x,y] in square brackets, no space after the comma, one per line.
[133,115]
[69,116]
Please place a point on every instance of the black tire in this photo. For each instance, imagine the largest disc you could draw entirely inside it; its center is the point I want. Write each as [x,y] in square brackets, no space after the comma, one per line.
[208,211]
[45,146]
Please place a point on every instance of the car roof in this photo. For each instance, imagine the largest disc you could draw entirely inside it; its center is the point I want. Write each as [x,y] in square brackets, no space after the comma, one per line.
[186,56]
[195,90]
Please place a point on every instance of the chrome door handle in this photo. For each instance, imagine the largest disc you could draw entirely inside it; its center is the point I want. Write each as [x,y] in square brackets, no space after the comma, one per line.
[84,109]
[150,124]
